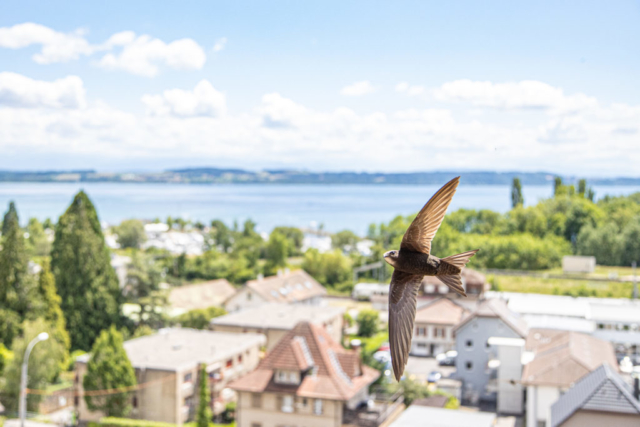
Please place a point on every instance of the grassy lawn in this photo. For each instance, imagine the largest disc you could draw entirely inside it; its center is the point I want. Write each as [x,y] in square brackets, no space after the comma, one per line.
[574,287]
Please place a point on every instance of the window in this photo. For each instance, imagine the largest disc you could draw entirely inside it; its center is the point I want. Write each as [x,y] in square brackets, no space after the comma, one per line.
[240,359]
[281,377]
[317,407]
[256,425]
[468,344]
[304,401]
[421,332]
[487,345]
[287,404]
[438,332]
[256,400]
[469,365]
[422,345]
[134,401]
[188,377]
[229,363]
[248,296]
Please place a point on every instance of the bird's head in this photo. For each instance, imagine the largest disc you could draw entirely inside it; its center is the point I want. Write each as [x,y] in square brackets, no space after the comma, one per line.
[391,257]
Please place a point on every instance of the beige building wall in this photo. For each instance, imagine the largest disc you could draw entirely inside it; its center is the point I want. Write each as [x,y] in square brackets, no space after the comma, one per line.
[268,414]
[173,396]
[584,418]
[244,298]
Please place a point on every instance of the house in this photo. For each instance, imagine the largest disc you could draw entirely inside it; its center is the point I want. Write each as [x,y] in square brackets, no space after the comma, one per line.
[506,358]
[578,264]
[364,291]
[307,379]
[276,320]
[200,295]
[616,320]
[600,398]
[473,282]
[490,319]
[433,327]
[558,359]
[170,360]
[293,287]
[422,416]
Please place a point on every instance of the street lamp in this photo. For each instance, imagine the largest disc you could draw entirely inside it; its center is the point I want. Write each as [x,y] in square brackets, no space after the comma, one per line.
[42,336]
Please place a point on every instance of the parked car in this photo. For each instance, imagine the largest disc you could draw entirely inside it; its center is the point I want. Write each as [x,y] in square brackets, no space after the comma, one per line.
[434,377]
[447,359]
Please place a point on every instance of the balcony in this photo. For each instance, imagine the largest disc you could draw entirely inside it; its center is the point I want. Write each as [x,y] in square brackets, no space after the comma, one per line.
[384,406]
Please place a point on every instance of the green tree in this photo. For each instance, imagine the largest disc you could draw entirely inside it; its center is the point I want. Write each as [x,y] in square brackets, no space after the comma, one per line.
[605,243]
[344,238]
[45,364]
[50,310]
[109,368]
[367,321]
[199,318]
[9,326]
[331,269]
[143,288]
[631,243]
[15,283]
[38,241]
[131,234]
[222,235]
[517,199]
[276,253]
[557,185]
[87,283]
[294,236]
[203,416]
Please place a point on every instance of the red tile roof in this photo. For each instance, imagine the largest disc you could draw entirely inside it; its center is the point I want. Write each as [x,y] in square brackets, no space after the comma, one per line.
[442,311]
[329,370]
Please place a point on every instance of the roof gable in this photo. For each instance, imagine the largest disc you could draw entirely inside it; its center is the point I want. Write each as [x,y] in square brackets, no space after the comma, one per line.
[330,371]
[441,311]
[201,295]
[496,308]
[565,358]
[602,390]
[287,287]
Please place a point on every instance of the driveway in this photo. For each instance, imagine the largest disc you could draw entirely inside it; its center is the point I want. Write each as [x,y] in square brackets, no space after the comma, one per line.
[422,366]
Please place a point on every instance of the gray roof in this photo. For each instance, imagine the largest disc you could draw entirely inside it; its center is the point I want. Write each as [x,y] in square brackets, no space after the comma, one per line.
[278,316]
[177,349]
[417,416]
[497,308]
[601,390]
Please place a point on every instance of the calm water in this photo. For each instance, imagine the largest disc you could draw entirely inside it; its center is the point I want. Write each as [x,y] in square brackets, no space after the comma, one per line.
[337,207]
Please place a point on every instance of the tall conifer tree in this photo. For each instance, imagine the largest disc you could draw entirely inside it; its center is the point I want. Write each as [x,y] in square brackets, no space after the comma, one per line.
[86,282]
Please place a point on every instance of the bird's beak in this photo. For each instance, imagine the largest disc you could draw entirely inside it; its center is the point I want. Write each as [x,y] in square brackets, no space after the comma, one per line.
[386,254]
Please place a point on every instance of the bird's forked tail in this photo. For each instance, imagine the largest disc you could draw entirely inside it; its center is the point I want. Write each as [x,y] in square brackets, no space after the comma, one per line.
[454,281]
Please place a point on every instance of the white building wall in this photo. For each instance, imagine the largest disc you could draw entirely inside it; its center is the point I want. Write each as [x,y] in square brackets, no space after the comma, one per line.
[539,402]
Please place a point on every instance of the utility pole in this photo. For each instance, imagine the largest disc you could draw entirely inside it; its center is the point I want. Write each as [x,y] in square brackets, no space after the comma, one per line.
[635,280]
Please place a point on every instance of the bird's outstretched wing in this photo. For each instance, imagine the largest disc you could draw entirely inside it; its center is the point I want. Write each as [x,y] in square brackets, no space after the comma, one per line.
[420,233]
[402,313]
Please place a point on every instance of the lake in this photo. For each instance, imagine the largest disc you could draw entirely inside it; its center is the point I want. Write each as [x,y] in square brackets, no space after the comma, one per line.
[338,207]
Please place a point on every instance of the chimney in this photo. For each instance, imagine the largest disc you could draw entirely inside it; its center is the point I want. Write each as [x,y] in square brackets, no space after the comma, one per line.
[636,388]
[279,272]
[260,276]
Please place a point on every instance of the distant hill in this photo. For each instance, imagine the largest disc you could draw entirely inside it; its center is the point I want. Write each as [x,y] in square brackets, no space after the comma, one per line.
[240,176]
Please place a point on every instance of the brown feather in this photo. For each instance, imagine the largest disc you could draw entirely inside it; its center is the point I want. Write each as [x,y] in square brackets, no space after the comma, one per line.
[402,313]
[420,233]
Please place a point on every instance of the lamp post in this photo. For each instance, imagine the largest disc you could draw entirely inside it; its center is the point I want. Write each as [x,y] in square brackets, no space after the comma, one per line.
[42,336]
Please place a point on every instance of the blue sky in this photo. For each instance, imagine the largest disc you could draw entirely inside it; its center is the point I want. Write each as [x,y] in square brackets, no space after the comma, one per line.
[393,86]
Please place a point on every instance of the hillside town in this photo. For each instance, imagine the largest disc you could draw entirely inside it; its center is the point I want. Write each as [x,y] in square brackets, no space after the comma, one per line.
[228,326]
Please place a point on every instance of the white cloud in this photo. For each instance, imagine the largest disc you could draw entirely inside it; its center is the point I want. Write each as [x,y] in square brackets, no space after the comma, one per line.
[358,89]
[204,100]
[220,44]
[527,94]
[411,90]
[142,55]
[182,125]
[56,46]
[22,92]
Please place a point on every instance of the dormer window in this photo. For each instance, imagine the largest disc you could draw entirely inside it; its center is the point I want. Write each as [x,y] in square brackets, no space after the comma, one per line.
[287,377]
